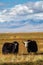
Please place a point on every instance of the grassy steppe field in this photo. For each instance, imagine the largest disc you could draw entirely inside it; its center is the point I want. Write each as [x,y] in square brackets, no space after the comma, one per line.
[23,56]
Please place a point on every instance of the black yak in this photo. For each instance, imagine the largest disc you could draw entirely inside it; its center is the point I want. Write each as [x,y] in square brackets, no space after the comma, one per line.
[10,47]
[32,46]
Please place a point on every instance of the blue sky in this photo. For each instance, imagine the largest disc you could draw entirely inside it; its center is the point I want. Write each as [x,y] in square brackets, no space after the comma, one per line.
[10,3]
[21,16]
[17,1]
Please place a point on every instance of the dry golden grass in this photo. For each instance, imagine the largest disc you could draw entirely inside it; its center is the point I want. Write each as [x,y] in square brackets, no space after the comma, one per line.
[20,37]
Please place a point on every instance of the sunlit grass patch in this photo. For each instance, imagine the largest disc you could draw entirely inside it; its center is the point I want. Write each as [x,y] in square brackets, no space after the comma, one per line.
[38,62]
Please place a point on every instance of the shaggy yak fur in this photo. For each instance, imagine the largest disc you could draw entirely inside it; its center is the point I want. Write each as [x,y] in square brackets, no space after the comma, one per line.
[10,47]
[32,46]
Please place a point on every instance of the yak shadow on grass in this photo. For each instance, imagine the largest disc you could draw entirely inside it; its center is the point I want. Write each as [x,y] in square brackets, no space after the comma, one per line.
[38,62]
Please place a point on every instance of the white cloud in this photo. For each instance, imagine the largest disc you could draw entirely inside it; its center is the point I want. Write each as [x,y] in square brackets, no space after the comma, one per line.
[26,28]
[22,10]
[19,14]
[4,11]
